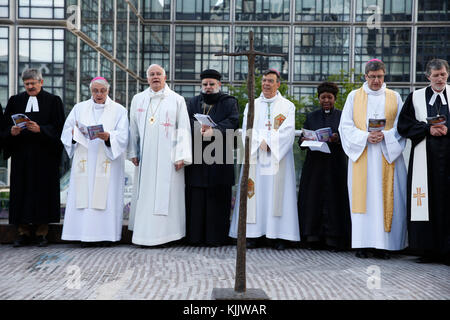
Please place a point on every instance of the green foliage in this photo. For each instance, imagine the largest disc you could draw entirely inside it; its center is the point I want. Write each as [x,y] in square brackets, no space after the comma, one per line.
[343,80]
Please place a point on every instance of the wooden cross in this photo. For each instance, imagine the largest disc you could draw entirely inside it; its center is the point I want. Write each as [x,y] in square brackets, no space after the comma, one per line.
[240,282]
[419,195]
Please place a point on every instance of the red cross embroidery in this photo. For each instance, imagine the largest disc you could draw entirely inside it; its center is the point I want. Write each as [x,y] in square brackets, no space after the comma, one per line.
[167,124]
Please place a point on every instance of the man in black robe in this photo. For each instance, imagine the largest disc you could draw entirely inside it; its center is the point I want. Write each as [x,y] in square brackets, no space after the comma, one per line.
[431,234]
[35,152]
[323,205]
[209,181]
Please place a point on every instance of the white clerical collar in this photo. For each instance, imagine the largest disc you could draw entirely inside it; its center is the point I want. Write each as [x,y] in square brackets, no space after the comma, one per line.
[32,105]
[159,93]
[435,95]
[264,99]
[378,92]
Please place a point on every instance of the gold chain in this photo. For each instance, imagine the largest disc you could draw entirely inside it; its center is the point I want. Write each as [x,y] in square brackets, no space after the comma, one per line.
[152,118]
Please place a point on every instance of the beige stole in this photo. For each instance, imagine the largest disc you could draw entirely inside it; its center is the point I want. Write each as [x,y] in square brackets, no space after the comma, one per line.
[103,164]
[419,182]
[276,168]
[359,178]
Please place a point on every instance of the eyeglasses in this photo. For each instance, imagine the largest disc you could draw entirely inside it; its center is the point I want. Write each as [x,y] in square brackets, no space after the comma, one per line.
[375,77]
[95,91]
[31,83]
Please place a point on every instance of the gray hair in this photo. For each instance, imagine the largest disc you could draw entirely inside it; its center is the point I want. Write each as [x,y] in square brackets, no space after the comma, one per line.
[32,73]
[100,81]
[436,64]
[375,65]
[157,65]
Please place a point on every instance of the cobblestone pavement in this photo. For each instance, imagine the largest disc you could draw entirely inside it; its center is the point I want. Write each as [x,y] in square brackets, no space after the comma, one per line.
[67,271]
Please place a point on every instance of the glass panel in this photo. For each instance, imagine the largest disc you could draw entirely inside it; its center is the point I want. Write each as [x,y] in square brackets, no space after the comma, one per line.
[262,10]
[121,86]
[432,42]
[320,52]
[121,33]
[391,45]
[195,49]
[107,26]
[266,39]
[322,10]
[4,62]
[389,10]
[203,10]
[133,39]
[41,51]
[4,8]
[434,10]
[156,47]
[156,9]
[88,60]
[187,91]
[89,18]
[41,9]
[70,71]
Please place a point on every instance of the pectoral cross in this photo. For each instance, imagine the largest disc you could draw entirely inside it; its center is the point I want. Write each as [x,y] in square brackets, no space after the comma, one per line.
[105,165]
[419,195]
[240,282]
[81,165]
[268,124]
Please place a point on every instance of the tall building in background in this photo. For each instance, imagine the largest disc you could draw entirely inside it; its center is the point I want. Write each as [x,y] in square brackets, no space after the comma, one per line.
[72,41]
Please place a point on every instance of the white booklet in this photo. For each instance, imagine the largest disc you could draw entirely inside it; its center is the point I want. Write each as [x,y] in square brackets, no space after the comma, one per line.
[205,120]
[316,146]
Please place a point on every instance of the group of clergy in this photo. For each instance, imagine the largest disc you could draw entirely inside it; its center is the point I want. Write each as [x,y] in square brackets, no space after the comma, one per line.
[358,195]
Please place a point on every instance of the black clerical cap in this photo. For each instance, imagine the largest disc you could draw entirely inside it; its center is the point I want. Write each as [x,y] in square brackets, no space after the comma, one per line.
[210,74]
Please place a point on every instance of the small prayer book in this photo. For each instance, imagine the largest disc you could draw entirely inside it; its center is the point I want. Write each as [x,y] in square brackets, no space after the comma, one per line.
[322,134]
[205,120]
[93,130]
[376,125]
[20,120]
[436,120]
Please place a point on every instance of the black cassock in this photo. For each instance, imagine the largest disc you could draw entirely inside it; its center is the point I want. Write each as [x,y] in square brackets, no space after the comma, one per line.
[208,186]
[35,159]
[432,235]
[323,205]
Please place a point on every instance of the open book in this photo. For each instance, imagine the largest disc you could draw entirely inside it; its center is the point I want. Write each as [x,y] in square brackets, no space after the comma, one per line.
[90,131]
[205,120]
[20,120]
[322,134]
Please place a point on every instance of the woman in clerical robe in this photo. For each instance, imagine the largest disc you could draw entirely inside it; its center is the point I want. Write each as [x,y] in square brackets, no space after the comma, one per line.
[323,206]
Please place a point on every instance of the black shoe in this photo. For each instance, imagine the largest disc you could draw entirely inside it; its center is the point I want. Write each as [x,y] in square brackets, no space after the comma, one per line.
[41,241]
[88,244]
[251,243]
[361,253]
[280,245]
[382,254]
[21,241]
[425,259]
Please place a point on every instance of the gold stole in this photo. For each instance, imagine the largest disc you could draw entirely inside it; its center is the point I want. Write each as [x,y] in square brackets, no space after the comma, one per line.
[359,178]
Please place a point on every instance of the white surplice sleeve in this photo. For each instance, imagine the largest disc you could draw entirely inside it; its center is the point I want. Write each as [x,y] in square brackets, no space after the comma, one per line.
[67,135]
[134,138]
[393,144]
[118,137]
[183,146]
[353,139]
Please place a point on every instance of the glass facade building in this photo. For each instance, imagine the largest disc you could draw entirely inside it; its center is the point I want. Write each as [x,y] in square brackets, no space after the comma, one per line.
[72,41]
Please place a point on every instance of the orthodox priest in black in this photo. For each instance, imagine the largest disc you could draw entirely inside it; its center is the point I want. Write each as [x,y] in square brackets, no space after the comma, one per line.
[429,165]
[210,178]
[33,143]
[323,205]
